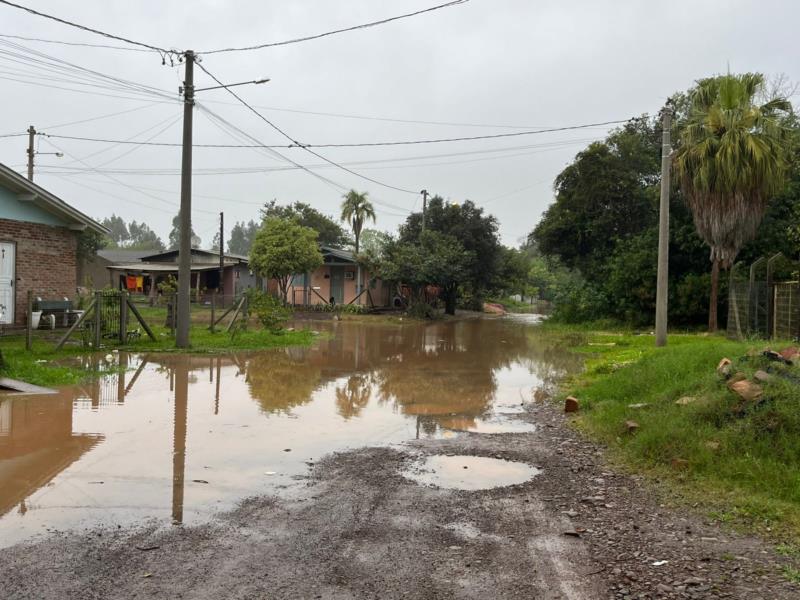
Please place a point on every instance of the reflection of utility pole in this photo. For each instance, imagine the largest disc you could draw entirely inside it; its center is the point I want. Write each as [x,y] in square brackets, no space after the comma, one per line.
[216,395]
[123,366]
[179,439]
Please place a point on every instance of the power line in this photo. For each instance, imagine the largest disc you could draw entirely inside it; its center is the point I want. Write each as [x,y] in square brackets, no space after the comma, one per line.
[161,51]
[65,43]
[336,31]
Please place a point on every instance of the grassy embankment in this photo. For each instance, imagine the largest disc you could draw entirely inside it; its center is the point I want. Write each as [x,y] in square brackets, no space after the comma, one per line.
[48,367]
[740,461]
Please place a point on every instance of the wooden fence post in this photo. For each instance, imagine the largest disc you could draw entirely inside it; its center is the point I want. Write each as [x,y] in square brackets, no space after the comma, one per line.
[213,303]
[98,318]
[29,325]
[123,317]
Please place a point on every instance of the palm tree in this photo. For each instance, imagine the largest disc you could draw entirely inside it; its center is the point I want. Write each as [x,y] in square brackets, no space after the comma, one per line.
[356,209]
[732,158]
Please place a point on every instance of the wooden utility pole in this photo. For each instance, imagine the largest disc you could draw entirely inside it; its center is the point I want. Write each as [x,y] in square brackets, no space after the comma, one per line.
[31,152]
[185,248]
[424,207]
[663,230]
[221,251]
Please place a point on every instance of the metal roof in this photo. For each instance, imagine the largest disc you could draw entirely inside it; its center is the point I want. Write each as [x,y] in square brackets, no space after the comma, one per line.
[30,192]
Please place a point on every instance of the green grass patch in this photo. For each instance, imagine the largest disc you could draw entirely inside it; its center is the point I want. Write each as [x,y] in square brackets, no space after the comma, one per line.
[739,460]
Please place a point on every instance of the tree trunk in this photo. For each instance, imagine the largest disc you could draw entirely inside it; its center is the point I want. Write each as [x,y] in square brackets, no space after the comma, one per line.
[449,302]
[714,300]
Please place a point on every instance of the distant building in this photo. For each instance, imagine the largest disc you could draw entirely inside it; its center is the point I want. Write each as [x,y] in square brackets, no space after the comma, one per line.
[335,282]
[38,245]
[143,275]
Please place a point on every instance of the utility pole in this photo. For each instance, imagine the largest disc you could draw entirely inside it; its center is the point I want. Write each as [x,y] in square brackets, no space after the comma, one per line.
[424,207]
[663,230]
[31,135]
[185,248]
[221,250]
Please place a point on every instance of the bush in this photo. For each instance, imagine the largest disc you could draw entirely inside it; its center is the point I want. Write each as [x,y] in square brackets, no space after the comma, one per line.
[422,310]
[268,309]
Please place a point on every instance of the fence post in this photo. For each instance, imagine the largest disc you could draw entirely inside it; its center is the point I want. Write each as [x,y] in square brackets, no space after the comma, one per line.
[29,325]
[123,317]
[98,318]
[246,313]
[213,303]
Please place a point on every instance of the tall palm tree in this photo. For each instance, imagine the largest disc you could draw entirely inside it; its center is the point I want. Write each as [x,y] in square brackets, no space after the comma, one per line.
[356,209]
[732,158]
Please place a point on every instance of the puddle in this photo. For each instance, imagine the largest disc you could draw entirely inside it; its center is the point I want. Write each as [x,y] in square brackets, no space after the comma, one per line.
[134,447]
[492,426]
[470,472]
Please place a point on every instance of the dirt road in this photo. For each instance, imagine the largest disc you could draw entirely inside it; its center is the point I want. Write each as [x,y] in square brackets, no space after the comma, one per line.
[357,528]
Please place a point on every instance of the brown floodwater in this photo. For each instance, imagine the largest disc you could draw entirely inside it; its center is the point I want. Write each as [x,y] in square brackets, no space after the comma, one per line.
[177,438]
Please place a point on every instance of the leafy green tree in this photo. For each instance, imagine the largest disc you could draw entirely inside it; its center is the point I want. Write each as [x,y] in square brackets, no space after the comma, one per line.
[733,157]
[118,230]
[143,238]
[242,236]
[175,235]
[433,259]
[330,232]
[282,248]
[474,230]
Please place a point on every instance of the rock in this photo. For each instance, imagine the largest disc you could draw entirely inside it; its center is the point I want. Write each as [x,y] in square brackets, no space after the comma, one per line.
[683,401]
[640,405]
[571,404]
[791,353]
[494,309]
[631,426]
[738,376]
[724,367]
[762,376]
[746,390]
[775,356]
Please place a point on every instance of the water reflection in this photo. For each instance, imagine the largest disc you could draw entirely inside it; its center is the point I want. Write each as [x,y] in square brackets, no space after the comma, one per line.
[100,453]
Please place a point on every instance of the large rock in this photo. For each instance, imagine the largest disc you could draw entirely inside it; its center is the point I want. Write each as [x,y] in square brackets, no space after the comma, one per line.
[724,367]
[791,353]
[571,404]
[746,390]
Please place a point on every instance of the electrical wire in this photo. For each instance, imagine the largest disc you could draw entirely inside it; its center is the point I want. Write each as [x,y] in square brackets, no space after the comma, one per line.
[162,51]
[290,138]
[65,43]
[336,31]
[100,117]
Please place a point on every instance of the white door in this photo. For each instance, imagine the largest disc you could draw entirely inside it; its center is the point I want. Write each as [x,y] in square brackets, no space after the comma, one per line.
[6,282]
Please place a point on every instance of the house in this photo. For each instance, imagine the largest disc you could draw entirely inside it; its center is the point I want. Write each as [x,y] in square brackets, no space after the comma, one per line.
[38,245]
[335,283]
[145,273]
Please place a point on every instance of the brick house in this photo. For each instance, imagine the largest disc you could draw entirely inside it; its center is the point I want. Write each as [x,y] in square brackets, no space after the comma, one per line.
[38,244]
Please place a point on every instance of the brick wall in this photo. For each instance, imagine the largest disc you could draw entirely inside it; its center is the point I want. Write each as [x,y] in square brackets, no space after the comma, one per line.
[46,261]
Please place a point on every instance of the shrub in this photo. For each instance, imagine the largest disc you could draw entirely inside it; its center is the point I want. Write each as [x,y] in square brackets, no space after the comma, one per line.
[268,309]
[422,310]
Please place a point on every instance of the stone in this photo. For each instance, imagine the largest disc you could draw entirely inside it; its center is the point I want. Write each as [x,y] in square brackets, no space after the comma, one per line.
[790,353]
[683,401]
[746,390]
[639,405]
[631,426]
[571,404]
[762,376]
[724,367]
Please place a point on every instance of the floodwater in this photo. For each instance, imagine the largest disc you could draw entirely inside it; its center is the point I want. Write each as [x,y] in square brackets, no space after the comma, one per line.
[470,472]
[175,438]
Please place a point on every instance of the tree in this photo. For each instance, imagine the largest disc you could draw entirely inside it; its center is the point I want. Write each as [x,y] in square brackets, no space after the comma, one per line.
[143,238]
[282,248]
[433,259]
[242,236]
[330,232]
[118,231]
[731,160]
[175,235]
[356,209]
[475,231]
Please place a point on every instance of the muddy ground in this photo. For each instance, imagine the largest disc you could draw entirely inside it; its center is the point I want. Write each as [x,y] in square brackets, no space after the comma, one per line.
[358,529]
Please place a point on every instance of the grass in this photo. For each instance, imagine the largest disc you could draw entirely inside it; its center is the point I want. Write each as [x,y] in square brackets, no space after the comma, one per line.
[739,461]
[47,367]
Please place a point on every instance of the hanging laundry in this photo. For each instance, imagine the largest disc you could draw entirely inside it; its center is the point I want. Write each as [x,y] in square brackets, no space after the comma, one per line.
[139,283]
[130,283]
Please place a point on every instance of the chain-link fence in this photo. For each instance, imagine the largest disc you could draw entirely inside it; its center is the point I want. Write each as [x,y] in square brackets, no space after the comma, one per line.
[764,299]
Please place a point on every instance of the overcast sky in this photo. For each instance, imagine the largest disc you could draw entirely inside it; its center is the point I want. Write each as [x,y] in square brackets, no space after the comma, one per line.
[483,67]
